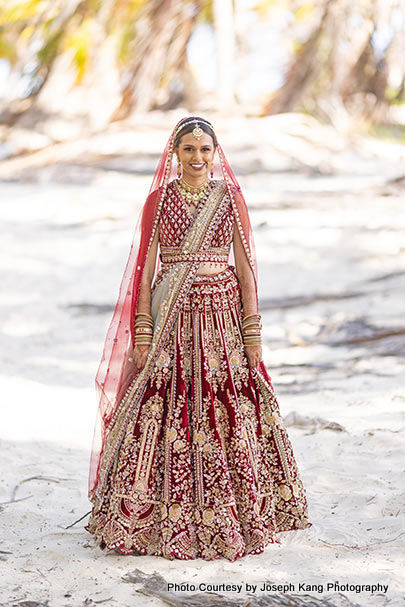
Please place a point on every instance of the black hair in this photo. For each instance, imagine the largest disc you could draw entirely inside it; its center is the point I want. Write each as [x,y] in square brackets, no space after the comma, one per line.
[188,128]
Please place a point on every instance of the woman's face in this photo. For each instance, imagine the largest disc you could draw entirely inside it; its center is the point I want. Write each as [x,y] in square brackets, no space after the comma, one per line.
[196,156]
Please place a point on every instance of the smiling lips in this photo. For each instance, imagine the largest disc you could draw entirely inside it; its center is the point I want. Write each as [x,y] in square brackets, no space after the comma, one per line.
[198,166]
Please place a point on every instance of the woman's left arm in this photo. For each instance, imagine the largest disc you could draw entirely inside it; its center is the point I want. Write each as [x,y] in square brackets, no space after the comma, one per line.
[248,291]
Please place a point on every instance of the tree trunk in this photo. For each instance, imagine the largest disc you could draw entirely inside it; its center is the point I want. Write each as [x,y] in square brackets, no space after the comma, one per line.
[302,73]
[225,46]
[166,26]
[339,86]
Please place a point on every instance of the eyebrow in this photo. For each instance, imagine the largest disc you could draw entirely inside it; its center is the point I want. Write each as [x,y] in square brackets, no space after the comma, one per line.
[190,145]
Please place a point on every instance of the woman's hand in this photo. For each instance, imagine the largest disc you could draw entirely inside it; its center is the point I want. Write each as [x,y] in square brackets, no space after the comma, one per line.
[254,355]
[139,356]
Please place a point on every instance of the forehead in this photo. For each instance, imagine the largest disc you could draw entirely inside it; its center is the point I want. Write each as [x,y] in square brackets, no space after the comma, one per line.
[189,139]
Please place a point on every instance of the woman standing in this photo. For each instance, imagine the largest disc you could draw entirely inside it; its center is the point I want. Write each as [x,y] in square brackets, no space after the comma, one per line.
[190,455]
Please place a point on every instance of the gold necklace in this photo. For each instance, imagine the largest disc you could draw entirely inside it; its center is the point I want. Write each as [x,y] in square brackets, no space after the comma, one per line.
[193,188]
[193,194]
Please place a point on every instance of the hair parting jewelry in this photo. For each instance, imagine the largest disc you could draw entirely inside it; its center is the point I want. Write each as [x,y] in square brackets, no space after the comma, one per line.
[197,132]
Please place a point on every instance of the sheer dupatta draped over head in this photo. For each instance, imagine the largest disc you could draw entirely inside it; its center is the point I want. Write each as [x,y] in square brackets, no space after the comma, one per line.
[115,370]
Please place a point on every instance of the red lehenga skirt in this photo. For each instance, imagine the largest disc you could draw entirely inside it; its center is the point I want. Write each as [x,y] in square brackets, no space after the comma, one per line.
[206,468]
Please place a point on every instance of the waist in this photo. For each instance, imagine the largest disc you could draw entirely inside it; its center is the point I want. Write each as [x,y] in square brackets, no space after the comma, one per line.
[226,274]
[170,255]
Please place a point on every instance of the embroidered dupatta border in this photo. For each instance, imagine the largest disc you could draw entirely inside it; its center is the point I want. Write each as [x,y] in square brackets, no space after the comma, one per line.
[199,235]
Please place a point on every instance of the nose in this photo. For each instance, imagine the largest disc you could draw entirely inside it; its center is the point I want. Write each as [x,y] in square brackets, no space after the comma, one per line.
[197,156]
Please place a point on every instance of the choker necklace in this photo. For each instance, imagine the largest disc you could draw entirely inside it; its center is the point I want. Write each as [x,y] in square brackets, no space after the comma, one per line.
[192,192]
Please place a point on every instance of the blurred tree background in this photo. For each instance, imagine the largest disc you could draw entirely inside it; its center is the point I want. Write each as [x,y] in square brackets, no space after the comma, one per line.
[106,60]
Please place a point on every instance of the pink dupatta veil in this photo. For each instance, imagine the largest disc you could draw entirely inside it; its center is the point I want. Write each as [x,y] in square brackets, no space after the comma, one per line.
[115,370]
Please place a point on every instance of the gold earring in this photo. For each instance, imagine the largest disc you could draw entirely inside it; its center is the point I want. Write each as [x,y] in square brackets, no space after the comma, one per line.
[178,168]
[212,171]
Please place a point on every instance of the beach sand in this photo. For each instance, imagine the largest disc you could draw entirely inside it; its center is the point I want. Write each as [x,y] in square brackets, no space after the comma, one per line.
[329,237]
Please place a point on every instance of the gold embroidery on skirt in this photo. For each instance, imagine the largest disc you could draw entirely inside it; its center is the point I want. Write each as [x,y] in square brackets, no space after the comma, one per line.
[223,478]
[146,453]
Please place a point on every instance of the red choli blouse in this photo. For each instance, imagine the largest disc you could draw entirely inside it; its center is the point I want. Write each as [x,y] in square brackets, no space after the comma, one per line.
[175,220]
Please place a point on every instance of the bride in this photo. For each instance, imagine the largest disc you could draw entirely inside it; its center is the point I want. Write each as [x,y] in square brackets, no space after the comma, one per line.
[190,456]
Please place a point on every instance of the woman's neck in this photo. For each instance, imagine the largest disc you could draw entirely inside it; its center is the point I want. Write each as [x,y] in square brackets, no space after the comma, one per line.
[195,181]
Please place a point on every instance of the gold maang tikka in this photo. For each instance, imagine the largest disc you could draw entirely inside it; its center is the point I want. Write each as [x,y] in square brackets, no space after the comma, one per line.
[197,131]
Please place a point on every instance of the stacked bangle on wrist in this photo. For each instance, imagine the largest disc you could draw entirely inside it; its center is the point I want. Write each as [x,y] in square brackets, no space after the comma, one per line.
[251,330]
[143,329]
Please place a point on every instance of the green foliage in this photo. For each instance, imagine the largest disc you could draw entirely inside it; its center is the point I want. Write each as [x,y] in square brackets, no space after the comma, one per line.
[49,50]
[7,50]
[23,18]
[304,11]
[80,41]
[57,26]
[264,6]
[391,94]
[125,41]
[394,133]
[207,11]
[301,10]
[14,11]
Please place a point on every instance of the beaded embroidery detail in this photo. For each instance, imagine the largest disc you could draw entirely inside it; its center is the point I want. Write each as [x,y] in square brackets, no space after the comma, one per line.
[175,221]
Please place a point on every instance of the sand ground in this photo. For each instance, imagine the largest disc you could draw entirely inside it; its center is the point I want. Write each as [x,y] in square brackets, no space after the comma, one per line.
[329,227]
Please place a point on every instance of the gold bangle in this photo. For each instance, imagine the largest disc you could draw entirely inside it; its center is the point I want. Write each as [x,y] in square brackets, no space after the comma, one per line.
[143,343]
[251,315]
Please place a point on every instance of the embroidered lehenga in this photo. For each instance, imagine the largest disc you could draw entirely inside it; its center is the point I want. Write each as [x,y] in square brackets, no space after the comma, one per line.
[195,458]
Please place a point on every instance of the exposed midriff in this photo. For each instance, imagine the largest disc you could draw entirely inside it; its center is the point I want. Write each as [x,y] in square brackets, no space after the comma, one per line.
[206,268]
[212,260]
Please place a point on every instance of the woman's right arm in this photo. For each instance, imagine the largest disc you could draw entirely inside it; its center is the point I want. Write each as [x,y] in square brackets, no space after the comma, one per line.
[144,300]
[140,353]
